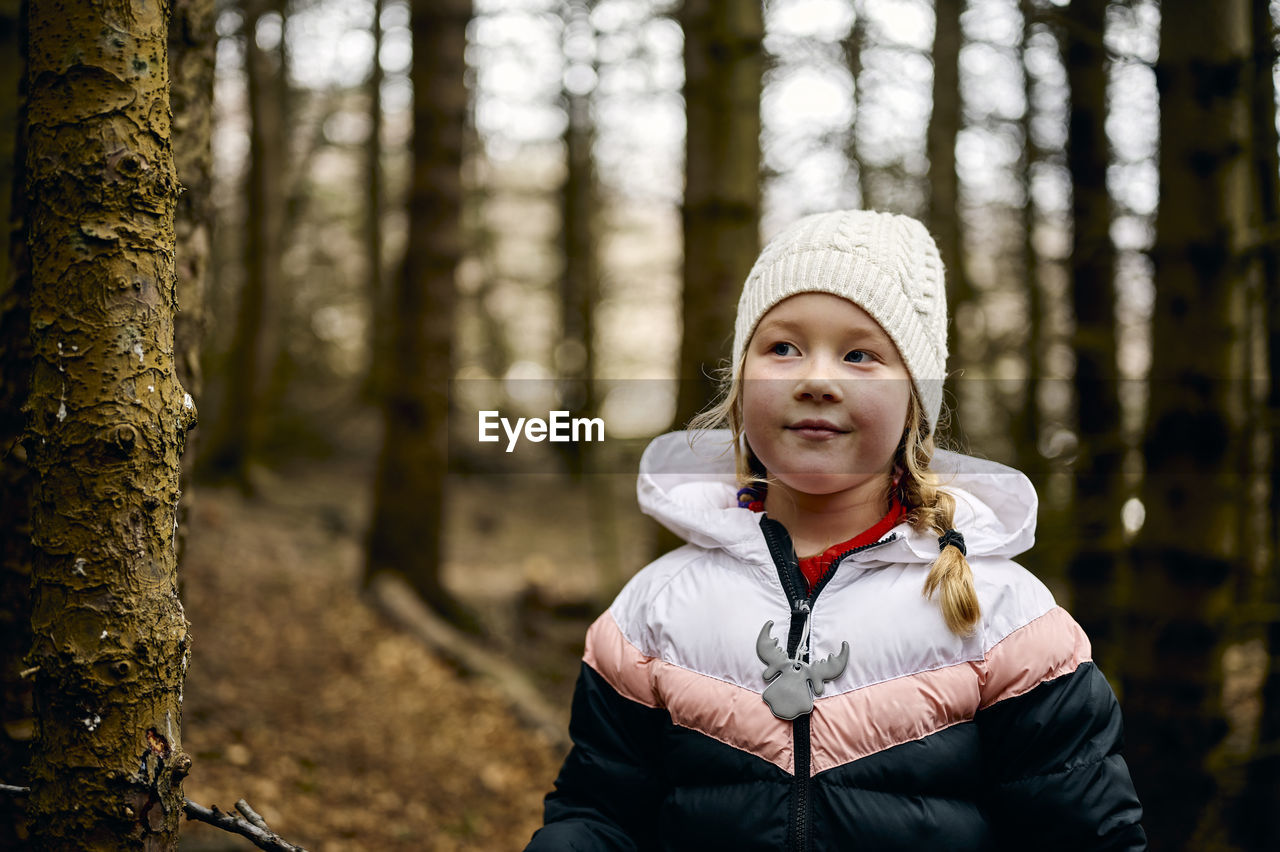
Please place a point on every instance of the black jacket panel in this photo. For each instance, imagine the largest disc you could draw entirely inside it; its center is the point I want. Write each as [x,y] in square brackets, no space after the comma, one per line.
[1054,775]
[611,784]
[1038,771]
[634,780]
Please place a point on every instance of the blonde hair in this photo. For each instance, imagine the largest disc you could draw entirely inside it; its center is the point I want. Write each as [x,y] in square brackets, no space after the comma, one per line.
[929,508]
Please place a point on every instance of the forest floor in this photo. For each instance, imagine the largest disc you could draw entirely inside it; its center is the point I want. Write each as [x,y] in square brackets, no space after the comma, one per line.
[344,732]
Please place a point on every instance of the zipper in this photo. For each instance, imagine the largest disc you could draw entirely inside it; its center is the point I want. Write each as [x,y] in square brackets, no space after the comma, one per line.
[784,559]
[835,563]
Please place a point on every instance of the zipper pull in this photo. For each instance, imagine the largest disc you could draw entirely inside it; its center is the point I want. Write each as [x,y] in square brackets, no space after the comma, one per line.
[801,607]
[802,649]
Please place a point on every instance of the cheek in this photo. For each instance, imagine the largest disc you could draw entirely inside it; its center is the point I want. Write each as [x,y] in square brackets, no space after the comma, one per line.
[882,407]
[760,412]
[759,398]
[754,412]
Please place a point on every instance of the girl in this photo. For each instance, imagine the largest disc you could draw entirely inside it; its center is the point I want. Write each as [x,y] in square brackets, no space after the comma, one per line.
[844,655]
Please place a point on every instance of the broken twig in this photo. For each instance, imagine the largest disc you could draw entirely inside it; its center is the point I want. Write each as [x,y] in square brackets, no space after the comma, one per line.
[250,814]
[248,823]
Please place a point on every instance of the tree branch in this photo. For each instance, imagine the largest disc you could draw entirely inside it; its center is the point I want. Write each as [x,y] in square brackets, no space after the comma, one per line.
[250,814]
[248,824]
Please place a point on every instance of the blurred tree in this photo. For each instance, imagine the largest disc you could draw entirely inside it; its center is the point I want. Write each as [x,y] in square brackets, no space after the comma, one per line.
[1258,821]
[495,355]
[724,61]
[1188,553]
[943,216]
[15,475]
[106,422]
[378,301]
[944,124]
[853,45]
[579,284]
[1026,425]
[407,527]
[230,448]
[1099,484]
[192,45]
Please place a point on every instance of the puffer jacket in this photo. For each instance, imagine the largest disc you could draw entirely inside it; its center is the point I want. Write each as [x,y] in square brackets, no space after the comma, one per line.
[1008,739]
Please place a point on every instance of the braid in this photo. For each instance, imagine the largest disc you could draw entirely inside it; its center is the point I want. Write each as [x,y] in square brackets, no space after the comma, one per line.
[931,509]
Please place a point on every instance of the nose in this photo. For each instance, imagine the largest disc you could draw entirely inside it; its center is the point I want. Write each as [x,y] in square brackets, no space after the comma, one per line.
[818,383]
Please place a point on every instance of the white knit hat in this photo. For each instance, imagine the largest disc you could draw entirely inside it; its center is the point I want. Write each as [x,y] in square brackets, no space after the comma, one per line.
[886,264]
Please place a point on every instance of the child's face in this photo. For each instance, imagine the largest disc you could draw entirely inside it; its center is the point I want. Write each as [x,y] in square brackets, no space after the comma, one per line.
[824,396]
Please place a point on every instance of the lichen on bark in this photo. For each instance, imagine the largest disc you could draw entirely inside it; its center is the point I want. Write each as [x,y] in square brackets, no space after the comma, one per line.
[106,419]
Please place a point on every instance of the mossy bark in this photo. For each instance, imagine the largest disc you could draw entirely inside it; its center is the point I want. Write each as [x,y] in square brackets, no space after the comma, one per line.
[106,422]
[15,475]
[723,66]
[1189,554]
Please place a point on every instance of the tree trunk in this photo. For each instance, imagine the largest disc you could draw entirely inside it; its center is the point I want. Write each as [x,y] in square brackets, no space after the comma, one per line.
[15,475]
[1188,555]
[723,61]
[373,214]
[1258,822]
[579,286]
[1099,484]
[107,418]
[232,446]
[12,66]
[944,125]
[407,529]
[1026,425]
[192,45]
[853,46]
[944,182]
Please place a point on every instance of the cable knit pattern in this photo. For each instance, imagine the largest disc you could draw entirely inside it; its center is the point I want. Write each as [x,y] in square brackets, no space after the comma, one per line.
[884,263]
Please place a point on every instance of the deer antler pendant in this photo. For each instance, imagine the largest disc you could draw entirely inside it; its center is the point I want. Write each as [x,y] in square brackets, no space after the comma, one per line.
[795,682]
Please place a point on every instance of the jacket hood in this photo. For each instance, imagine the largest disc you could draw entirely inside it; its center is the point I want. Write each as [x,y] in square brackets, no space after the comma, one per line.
[687,484]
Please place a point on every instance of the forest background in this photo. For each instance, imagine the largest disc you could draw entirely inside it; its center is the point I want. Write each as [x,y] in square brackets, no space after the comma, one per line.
[537,205]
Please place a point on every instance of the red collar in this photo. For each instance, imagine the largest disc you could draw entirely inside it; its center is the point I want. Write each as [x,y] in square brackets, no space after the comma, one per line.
[815,567]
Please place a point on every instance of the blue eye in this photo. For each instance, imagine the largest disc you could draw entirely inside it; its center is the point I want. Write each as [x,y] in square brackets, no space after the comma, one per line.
[857,356]
[781,348]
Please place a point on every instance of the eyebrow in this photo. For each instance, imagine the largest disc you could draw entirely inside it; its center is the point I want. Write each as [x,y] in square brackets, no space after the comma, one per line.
[784,325]
[874,332]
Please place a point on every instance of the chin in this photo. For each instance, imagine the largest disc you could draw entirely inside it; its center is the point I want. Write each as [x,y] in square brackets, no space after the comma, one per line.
[819,483]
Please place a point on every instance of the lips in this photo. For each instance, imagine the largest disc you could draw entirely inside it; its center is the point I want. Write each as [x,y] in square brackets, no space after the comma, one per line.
[817,429]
